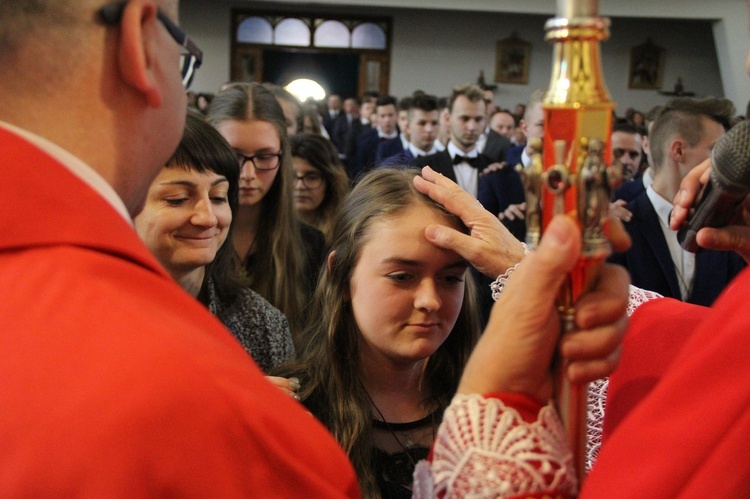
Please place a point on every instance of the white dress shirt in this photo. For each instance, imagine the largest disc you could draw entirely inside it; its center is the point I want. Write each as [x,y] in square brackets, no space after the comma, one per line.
[416,152]
[683,261]
[466,175]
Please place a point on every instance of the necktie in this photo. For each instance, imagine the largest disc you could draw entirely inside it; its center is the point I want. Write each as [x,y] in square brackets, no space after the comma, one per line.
[473,162]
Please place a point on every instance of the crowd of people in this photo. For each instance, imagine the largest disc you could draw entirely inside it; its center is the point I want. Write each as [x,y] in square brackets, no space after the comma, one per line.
[252,296]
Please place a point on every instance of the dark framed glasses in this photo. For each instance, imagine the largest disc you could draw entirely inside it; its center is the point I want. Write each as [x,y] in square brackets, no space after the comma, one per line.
[311,180]
[263,161]
[192,57]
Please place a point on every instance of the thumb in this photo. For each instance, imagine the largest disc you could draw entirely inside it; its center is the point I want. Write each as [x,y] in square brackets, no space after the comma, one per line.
[516,349]
[538,279]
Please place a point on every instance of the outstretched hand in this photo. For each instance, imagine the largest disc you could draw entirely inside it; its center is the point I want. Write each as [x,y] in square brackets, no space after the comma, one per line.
[489,247]
[733,237]
[516,350]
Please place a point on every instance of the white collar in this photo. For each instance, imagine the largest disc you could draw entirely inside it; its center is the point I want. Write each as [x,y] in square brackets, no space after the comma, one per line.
[453,150]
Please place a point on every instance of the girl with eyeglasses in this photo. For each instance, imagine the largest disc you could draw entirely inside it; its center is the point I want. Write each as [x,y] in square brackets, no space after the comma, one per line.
[281,255]
[321,181]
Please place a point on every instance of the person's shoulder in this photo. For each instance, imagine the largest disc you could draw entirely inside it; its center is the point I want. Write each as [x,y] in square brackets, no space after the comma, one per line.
[271,316]
[640,206]
[367,135]
[431,159]
[311,234]
[630,190]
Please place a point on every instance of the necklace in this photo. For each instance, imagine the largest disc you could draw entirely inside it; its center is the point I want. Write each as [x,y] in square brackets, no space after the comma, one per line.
[410,444]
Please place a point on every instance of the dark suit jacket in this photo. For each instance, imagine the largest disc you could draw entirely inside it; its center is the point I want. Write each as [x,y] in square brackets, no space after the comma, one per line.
[404,159]
[499,189]
[367,146]
[496,147]
[328,121]
[388,148]
[351,143]
[340,132]
[630,190]
[441,162]
[651,267]
[513,156]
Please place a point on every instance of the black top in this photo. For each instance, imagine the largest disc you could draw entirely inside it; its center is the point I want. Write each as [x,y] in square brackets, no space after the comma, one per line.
[394,470]
[315,253]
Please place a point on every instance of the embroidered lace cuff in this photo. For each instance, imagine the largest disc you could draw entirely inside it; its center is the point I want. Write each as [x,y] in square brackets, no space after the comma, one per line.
[598,389]
[499,283]
[484,449]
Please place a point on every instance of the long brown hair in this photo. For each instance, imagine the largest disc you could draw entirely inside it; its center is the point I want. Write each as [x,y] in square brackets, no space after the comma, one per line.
[322,155]
[330,359]
[278,257]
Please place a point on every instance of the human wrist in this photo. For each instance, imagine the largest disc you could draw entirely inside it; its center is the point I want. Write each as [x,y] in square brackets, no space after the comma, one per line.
[498,284]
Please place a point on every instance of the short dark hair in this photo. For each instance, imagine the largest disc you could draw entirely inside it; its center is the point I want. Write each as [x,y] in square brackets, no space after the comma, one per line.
[682,116]
[386,100]
[626,127]
[424,102]
[405,103]
[443,103]
[370,96]
[204,149]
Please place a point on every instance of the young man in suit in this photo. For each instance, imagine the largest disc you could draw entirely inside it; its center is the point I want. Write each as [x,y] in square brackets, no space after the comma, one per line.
[422,126]
[115,382]
[461,161]
[368,140]
[501,191]
[344,123]
[333,110]
[681,138]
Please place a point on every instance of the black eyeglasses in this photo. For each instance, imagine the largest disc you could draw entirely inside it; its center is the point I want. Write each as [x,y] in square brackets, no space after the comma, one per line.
[263,161]
[311,180]
[111,14]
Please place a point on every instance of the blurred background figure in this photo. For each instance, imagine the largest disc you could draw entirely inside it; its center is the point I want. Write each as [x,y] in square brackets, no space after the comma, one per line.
[321,182]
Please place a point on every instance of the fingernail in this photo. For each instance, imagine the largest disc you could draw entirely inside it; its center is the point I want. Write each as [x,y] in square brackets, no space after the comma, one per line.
[682,195]
[294,384]
[557,233]
[431,232]
[294,396]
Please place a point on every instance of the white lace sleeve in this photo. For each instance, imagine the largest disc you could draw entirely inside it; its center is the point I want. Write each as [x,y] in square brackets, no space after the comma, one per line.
[498,284]
[638,297]
[485,449]
[598,388]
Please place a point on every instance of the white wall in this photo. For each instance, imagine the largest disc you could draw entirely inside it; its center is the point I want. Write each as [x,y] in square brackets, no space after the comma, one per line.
[436,49]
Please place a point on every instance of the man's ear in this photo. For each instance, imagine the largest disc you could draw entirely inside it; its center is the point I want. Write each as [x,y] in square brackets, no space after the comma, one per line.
[677,150]
[524,127]
[136,54]
[447,117]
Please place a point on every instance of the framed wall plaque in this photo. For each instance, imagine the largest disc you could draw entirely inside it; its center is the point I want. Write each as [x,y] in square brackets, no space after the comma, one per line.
[512,60]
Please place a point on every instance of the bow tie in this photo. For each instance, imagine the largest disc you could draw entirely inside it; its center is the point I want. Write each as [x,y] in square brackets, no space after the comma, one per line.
[473,162]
